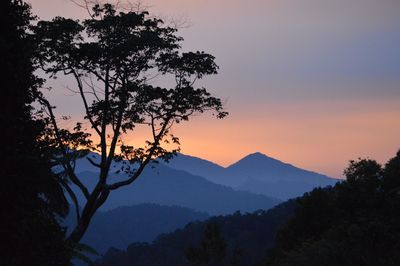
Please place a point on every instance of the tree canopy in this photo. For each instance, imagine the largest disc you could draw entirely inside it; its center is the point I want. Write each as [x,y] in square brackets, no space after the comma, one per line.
[355,222]
[114,57]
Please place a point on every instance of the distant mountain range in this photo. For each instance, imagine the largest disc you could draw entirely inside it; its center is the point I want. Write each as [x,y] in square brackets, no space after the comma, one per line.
[199,187]
[160,184]
[254,182]
[256,173]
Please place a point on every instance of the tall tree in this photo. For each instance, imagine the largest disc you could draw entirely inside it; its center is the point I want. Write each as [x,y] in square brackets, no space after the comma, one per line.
[29,193]
[113,57]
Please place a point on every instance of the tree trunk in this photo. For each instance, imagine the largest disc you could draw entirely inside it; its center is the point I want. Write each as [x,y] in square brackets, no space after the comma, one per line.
[87,214]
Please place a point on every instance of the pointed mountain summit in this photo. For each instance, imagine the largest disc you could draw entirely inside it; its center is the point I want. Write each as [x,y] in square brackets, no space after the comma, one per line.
[262,167]
[259,158]
[256,173]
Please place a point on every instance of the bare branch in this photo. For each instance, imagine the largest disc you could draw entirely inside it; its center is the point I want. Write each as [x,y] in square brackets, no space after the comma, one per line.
[177,21]
[137,6]
[67,167]
[89,116]
[73,198]
[103,132]
[153,130]
[85,4]
[93,162]
[122,106]
[91,86]
[134,176]
[145,162]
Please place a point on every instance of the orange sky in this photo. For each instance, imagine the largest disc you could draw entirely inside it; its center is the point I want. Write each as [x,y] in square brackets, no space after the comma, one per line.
[314,136]
[314,83]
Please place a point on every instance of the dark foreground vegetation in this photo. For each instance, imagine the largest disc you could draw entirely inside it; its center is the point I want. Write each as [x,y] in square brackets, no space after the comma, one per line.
[356,222]
[30,196]
[239,238]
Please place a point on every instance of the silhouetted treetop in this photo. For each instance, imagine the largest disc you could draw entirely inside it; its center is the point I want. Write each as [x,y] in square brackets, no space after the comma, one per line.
[115,58]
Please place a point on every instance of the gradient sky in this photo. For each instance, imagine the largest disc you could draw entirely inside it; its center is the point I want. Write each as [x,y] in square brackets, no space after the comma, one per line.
[311,82]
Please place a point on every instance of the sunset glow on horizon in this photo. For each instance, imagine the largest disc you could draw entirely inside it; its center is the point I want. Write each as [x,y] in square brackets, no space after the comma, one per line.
[312,83]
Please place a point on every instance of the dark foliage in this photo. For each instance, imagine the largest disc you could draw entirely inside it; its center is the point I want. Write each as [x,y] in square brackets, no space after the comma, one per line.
[357,222]
[212,248]
[29,192]
[242,239]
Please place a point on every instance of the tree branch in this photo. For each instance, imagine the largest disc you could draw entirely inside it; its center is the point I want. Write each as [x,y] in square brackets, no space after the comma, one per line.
[144,163]
[67,167]
[116,130]
[103,133]
[73,198]
[89,116]
[93,162]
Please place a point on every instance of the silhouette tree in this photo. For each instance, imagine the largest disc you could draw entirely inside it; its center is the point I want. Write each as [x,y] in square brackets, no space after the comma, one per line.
[113,57]
[30,195]
[391,182]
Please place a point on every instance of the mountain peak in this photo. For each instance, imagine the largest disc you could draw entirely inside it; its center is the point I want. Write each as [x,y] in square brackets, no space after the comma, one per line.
[256,155]
[255,172]
[256,158]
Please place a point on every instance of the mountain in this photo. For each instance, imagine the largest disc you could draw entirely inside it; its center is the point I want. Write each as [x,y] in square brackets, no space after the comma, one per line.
[139,223]
[163,185]
[259,173]
[262,167]
[256,173]
[249,235]
[197,166]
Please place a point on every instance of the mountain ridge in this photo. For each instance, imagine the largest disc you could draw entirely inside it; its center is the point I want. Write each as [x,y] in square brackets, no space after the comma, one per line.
[163,185]
[279,178]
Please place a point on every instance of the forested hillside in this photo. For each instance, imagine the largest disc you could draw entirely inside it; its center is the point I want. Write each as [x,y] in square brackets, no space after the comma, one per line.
[357,222]
[247,238]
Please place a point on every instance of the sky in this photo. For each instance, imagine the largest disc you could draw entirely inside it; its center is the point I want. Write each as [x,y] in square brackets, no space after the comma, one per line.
[314,83]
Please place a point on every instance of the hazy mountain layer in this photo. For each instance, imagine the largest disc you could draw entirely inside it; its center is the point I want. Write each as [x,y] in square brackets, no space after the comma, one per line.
[256,173]
[139,223]
[162,185]
[250,236]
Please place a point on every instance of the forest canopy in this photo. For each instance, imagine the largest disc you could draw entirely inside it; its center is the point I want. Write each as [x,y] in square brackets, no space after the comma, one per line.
[356,222]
